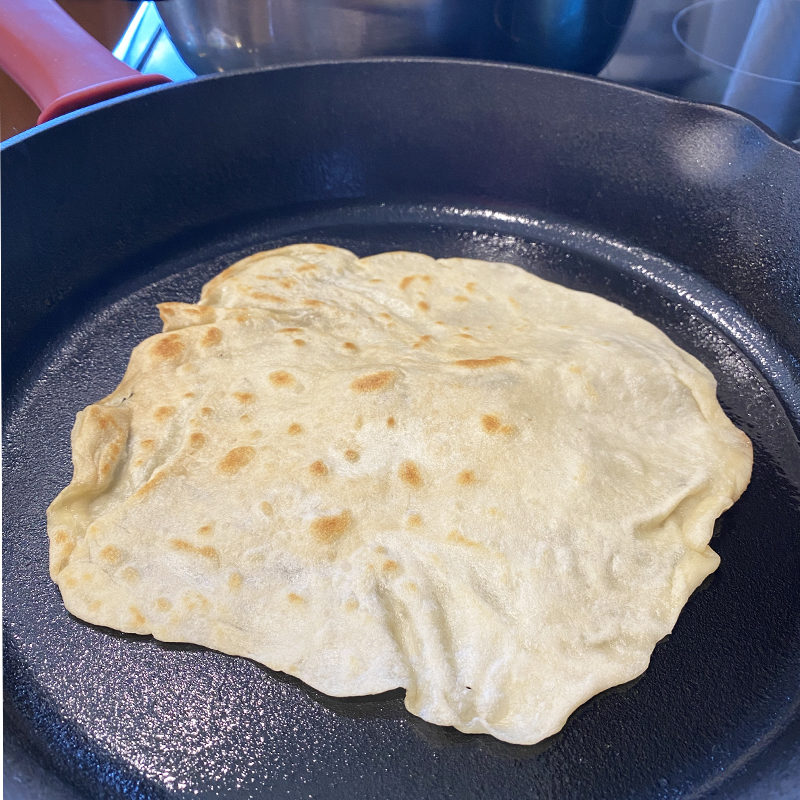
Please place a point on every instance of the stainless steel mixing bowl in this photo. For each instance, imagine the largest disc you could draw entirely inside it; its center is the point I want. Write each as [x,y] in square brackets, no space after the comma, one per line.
[221,35]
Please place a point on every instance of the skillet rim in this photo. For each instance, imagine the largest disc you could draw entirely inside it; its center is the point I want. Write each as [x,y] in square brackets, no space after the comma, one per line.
[712,108]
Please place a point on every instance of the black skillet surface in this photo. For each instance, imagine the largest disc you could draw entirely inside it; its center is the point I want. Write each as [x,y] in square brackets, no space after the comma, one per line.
[686,214]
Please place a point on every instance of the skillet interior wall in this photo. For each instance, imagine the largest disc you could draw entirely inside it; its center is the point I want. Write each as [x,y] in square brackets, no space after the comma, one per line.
[707,189]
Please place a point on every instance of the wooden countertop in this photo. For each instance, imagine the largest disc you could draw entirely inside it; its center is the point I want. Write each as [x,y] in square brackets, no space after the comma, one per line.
[106,20]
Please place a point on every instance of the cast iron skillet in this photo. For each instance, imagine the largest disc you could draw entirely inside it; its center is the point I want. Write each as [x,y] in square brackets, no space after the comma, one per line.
[686,214]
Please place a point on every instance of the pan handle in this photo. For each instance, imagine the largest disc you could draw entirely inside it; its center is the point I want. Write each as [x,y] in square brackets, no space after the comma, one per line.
[57,63]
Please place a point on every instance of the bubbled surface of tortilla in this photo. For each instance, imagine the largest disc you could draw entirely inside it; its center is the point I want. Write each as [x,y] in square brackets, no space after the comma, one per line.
[444,475]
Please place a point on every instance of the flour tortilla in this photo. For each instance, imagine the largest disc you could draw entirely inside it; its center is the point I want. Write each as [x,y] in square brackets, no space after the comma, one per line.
[444,475]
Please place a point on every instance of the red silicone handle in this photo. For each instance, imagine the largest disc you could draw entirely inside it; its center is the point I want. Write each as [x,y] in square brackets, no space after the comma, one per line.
[59,65]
